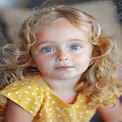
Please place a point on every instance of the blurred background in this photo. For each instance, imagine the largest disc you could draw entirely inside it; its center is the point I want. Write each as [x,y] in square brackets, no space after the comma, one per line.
[33,3]
[13,12]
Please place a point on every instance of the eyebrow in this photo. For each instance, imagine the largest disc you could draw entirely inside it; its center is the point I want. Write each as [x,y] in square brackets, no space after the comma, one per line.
[79,40]
[37,44]
[52,42]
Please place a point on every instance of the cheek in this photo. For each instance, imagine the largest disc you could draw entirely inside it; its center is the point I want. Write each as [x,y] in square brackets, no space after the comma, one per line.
[50,62]
[44,64]
[83,60]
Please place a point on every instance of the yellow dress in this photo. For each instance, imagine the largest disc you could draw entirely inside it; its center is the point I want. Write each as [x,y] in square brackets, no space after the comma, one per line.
[36,97]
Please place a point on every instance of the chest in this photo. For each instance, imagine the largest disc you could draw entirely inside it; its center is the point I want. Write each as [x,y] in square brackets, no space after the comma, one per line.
[58,111]
[68,97]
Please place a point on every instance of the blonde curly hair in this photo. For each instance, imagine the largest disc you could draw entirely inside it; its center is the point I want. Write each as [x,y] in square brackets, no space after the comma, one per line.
[98,82]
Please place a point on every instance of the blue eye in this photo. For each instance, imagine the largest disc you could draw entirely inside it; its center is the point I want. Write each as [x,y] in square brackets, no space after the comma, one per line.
[75,47]
[48,49]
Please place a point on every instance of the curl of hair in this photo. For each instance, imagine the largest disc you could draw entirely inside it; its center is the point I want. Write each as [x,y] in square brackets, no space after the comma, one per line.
[100,79]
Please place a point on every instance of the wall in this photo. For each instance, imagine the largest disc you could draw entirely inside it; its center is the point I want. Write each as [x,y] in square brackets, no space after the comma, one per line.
[104,12]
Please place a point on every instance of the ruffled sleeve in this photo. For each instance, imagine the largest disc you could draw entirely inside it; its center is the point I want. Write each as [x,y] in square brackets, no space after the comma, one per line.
[112,97]
[29,95]
[106,98]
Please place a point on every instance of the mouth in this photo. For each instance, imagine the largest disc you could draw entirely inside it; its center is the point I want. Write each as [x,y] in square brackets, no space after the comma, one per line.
[64,67]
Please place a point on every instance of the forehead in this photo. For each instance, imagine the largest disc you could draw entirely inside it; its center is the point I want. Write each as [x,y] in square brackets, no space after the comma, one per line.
[62,23]
[61,31]
[59,25]
[45,23]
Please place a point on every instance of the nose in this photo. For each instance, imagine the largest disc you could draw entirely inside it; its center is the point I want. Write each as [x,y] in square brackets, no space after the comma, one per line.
[62,56]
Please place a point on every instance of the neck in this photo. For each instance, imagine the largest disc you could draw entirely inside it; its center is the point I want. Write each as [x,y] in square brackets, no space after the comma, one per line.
[64,89]
[56,84]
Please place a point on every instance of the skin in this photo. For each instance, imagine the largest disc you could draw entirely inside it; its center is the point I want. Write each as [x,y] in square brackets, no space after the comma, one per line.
[112,112]
[62,53]
[56,57]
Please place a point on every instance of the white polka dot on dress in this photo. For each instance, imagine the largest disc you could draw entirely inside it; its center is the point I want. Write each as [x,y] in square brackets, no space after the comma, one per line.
[29,87]
[37,88]
[28,99]
[16,92]
[9,94]
[58,108]
[26,92]
[33,94]
[53,102]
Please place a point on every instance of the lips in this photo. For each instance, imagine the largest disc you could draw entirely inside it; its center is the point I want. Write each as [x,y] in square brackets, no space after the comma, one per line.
[64,67]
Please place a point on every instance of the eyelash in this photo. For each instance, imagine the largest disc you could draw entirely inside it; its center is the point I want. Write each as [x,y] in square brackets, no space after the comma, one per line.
[75,46]
[49,49]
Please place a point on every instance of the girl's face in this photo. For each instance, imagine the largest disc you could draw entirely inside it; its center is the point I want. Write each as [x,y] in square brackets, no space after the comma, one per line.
[62,51]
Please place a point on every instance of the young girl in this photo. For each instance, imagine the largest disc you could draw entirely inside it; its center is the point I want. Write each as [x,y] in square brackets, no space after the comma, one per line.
[63,69]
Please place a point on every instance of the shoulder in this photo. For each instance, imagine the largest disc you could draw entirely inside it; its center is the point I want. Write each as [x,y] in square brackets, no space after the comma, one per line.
[29,82]
[30,88]
[111,112]
[28,93]
[111,109]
